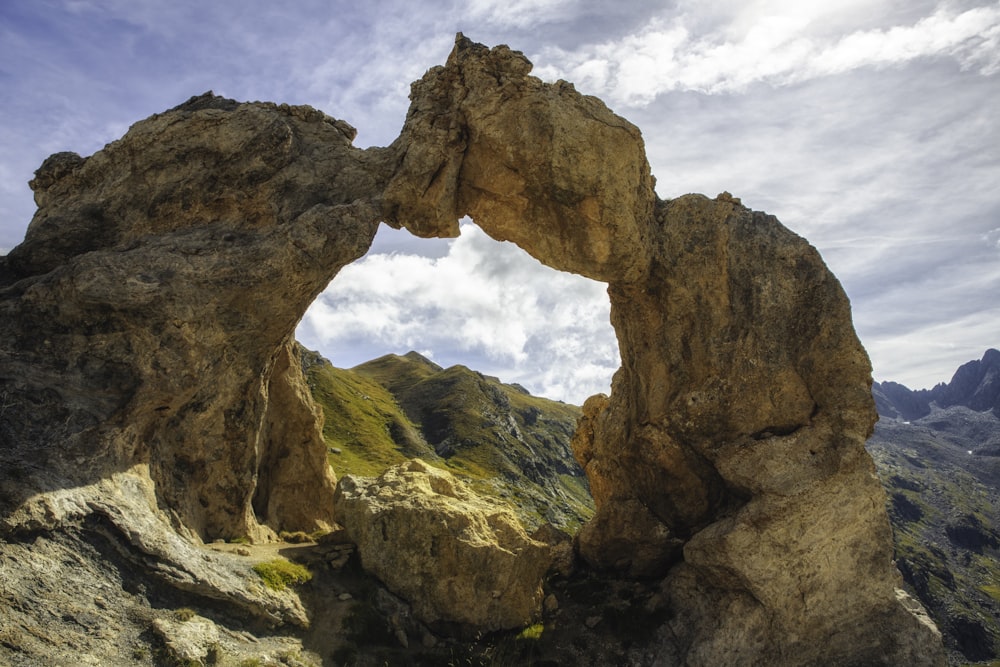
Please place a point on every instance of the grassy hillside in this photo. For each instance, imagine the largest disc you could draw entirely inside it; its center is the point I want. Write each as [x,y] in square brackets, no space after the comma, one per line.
[941,476]
[505,442]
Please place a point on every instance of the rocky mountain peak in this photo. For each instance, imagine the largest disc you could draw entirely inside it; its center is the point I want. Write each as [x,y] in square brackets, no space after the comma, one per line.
[975,385]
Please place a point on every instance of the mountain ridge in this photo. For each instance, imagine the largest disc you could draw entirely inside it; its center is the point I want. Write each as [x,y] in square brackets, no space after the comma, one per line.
[937,452]
[510,444]
[975,385]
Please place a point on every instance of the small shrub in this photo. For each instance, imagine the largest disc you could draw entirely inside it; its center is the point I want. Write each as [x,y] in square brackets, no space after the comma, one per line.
[244,539]
[532,632]
[214,655]
[184,614]
[279,573]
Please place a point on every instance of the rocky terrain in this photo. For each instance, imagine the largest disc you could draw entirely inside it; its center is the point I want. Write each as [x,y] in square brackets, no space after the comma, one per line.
[505,442]
[938,454]
[155,415]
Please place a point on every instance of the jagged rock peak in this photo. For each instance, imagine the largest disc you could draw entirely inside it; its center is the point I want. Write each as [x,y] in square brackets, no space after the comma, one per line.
[975,385]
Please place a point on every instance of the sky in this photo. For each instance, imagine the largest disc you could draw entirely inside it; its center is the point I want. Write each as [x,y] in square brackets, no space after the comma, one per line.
[870,127]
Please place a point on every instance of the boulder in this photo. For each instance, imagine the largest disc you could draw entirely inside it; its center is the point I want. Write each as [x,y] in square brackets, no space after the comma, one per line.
[458,559]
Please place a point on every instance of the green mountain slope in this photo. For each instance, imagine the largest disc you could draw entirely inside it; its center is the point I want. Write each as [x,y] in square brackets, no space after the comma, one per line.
[505,442]
[941,475]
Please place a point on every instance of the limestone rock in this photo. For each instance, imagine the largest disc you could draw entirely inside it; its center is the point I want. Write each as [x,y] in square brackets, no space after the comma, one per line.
[456,558]
[150,397]
[147,314]
[538,164]
[187,640]
[744,398]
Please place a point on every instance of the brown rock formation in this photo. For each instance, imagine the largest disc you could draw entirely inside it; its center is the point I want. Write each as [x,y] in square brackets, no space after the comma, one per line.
[738,419]
[146,323]
[458,558]
[148,312]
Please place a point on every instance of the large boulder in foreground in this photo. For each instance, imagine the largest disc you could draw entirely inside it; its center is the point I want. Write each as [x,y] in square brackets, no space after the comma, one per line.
[455,557]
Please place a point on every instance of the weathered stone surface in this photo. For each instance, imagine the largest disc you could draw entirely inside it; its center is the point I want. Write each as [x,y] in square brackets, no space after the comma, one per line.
[455,557]
[147,314]
[150,398]
[187,640]
[540,165]
[744,397]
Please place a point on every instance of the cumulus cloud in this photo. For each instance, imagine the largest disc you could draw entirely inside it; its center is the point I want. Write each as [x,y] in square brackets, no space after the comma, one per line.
[775,48]
[487,305]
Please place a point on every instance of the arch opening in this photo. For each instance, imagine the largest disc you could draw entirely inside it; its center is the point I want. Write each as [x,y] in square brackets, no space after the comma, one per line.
[470,355]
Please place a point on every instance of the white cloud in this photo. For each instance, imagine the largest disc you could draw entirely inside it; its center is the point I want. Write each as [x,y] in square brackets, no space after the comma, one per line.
[865,125]
[516,13]
[487,305]
[931,354]
[774,48]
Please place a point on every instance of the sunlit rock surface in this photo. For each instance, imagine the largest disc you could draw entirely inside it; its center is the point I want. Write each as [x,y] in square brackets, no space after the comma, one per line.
[738,419]
[459,558]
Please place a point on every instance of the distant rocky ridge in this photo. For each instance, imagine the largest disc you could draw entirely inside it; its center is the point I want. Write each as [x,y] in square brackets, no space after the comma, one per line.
[507,443]
[938,455]
[975,385]
[152,400]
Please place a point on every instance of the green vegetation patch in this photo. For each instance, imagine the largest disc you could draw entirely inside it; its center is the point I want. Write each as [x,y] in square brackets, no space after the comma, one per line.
[533,632]
[184,614]
[279,573]
[993,590]
[362,422]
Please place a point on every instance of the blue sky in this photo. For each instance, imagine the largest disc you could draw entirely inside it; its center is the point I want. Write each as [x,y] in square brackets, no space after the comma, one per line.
[869,127]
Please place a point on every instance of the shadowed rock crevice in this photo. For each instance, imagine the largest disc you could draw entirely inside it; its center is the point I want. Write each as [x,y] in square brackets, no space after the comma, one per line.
[148,316]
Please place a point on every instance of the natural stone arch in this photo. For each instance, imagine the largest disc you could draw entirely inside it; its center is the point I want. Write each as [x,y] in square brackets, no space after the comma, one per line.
[151,306]
[744,392]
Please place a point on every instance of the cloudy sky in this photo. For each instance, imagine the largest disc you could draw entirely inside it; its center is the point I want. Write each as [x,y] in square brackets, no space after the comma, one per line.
[871,127]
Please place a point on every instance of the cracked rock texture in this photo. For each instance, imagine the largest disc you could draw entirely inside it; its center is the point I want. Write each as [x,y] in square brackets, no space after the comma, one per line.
[147,378]
[461,559]
[148,313]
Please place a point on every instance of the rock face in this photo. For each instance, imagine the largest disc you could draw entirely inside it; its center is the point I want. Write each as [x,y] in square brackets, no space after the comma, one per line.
[150,397]
[147,316]
[738,419]
[458,558]
[146,323]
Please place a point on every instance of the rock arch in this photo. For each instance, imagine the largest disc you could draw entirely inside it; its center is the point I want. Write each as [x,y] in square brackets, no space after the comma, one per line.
[149,312]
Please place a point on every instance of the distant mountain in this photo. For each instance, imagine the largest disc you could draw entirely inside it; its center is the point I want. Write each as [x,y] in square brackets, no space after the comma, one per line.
[975,385]
[938,454]
[507,443]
